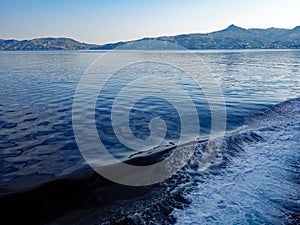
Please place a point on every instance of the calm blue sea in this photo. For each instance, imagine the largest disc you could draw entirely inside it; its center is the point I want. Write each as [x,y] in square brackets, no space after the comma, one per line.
[255,178]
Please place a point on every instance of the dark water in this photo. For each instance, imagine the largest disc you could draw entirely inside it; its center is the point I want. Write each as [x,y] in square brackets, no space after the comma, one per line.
[37,143]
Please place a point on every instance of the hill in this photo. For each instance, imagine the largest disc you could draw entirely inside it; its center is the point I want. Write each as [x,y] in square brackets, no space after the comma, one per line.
[44,44]
[233,37]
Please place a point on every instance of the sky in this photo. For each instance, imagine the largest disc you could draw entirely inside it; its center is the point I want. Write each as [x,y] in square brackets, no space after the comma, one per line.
[100,22]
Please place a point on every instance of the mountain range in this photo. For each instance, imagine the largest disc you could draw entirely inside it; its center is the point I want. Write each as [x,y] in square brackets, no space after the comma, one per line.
[233,37]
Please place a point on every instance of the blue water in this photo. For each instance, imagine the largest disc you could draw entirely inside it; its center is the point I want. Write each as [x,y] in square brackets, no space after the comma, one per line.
[37,143]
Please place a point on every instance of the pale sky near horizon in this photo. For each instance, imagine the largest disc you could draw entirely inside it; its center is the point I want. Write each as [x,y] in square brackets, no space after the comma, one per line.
[100,22]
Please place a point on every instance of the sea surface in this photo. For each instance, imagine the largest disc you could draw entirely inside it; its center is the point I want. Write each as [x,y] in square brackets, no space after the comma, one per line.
[255,177]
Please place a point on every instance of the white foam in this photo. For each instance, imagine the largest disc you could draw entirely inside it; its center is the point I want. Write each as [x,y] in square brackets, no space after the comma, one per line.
[261,185]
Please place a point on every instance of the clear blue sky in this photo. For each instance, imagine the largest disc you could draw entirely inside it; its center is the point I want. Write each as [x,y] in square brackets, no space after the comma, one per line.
[96,21]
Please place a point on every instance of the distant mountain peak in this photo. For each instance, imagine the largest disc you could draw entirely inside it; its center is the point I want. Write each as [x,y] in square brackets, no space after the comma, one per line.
[234,27]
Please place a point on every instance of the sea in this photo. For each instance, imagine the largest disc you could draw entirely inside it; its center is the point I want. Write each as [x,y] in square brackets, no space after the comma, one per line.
[251,96]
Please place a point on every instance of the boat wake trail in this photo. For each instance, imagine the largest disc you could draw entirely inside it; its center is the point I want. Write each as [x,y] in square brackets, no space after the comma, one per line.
[255,178]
